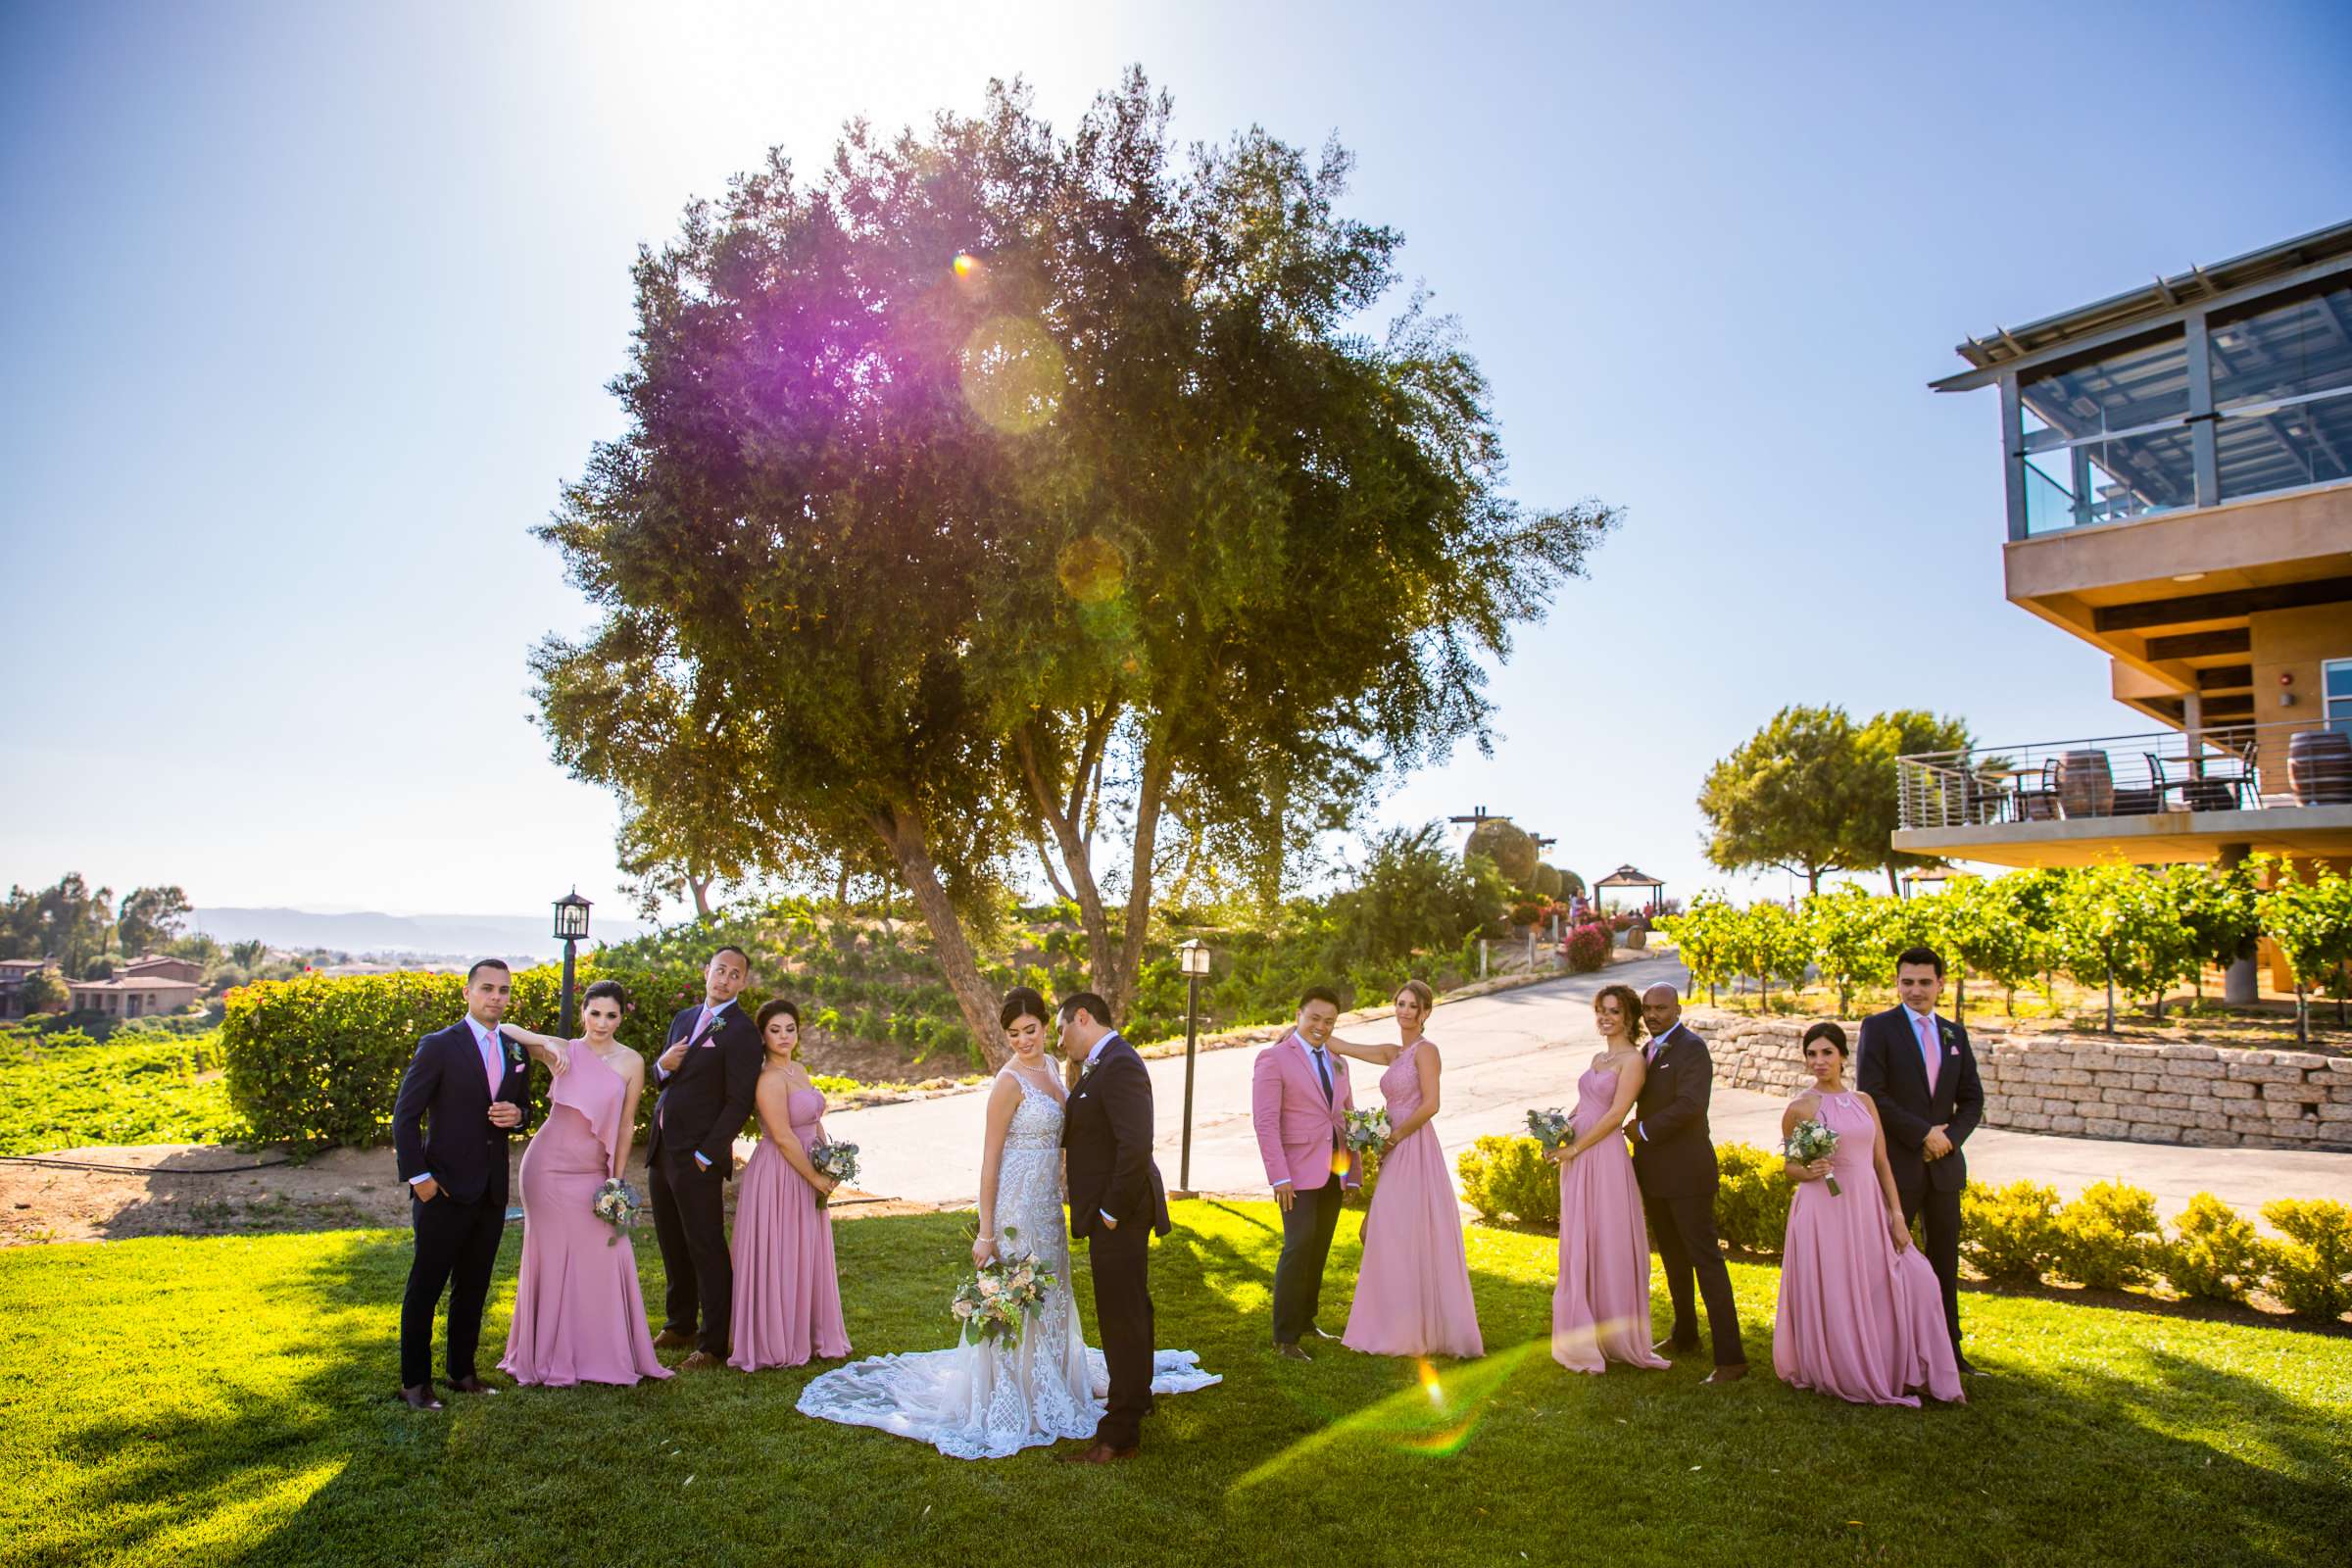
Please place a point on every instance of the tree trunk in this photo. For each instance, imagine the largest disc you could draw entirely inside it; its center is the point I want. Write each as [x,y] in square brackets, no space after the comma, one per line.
[701,886]
[1895,883]
[1065,821]
[1960,996]
[1150,796]
[902,833]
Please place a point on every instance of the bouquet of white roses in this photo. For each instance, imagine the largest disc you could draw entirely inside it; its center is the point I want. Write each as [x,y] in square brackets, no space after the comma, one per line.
[1809,1141]
[616,1203]
[1551,1128]
[837,1160]
[1367,1129]
[1000,1294]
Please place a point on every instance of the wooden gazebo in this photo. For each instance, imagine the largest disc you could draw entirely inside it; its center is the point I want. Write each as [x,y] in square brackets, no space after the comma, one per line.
[1626,876]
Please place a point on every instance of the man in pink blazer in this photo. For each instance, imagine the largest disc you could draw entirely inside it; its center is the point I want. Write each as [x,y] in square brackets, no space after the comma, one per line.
[1299,1102]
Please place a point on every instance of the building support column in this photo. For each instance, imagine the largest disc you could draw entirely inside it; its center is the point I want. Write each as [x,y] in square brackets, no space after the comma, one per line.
[2240,985]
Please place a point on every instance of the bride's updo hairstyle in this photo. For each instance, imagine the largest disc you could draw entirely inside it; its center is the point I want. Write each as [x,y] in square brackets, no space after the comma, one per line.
[1023,1003]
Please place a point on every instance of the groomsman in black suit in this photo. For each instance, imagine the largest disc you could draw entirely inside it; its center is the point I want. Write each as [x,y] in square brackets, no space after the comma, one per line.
[708,1075]
[466,1092]
[1674,1164]
[1919,1071]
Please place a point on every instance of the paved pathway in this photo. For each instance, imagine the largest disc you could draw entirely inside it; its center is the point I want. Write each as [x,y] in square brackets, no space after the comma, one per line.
[1515,1049]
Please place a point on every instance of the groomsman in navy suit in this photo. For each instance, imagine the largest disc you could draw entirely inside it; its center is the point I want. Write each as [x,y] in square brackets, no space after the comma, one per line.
[708,1073]
[465,1093]
[1674,1165]
[1918,1071]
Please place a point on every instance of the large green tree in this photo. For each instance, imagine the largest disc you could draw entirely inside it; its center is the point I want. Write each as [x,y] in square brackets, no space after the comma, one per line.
[72,922]
[1785,799]
[1813,792]
[150,919]
[1024,494]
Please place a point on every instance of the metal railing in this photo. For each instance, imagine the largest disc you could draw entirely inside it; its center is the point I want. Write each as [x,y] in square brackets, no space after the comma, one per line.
[2223,767]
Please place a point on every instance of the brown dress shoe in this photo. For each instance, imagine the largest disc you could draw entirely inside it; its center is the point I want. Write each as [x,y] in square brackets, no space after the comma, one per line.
[1293,1352]
[469,1385]
[672,1339]
[1732,1372]
[419,1398]
[1676,1346]
[1097,1452]
[701,1361]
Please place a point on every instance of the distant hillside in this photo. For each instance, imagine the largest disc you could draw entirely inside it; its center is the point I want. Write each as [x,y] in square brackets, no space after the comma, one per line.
[426,936]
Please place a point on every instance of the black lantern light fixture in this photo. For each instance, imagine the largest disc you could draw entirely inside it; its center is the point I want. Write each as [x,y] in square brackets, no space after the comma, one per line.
[1192,961]
[572,928]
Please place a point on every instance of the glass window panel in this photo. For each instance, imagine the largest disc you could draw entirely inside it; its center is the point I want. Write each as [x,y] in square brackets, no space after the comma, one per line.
[2144,382]
[2284,348]
[2339,677]
[2268,449]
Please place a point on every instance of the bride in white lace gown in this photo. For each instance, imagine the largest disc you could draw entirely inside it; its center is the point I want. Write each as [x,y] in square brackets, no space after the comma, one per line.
[986,1400]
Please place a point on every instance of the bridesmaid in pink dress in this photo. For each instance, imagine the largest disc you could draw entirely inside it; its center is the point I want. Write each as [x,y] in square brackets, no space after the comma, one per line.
[787,1295]
[579,1315]
[1861,1314]
[1600,1306]
[1412,1290]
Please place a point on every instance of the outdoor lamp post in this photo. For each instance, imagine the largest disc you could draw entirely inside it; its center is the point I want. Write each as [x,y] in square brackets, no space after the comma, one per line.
[571,927]
[1192,959]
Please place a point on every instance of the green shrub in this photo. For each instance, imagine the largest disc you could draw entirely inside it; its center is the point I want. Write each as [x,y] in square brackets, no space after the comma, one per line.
[2216,1256]
[1362,1197]
[1510,1176]
[1751,1198]
[2009,1234]
[2109,1237]
[2312,1270]
[318,1060]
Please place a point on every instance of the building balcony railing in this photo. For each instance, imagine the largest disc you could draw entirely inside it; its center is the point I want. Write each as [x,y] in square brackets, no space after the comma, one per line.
[2242,767]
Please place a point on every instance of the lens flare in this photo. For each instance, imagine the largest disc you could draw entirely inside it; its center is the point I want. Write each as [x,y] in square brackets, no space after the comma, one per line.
[1091,570]
[1339,1162]
[1012,375]
[966,264]
[1427,1417]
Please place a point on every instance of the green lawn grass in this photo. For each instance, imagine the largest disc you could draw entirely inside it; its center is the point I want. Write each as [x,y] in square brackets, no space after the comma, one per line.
[134,1089]
[227,1400]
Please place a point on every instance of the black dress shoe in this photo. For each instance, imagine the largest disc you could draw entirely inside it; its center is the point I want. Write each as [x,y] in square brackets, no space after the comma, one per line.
[1293,1352]
[419,1398]
[1320,1332]
[1730,1372]
[1676,1346]
[470,1384]
[1968,1368]
[1097,1453]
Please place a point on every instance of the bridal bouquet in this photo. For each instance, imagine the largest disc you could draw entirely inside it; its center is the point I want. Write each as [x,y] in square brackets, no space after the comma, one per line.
[1809,1141]
[616,1203]
[1551,1128]
[1001,1294]
[1367,1129]
[837,1160]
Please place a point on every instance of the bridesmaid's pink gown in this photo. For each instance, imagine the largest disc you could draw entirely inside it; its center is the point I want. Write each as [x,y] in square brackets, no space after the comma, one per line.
[1600,1306]
[580,1316]
[787,1298]
[1412,1292]
[1856,1318]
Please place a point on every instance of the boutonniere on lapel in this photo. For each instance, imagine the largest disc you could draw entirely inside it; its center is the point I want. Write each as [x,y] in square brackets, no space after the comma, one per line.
[1946,1030]
[514,1058]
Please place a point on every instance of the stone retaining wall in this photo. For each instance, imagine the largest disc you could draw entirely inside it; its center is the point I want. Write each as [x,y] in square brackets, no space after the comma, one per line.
[2182,1093]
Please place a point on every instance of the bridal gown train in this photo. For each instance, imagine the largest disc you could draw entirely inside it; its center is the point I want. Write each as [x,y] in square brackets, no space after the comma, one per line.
[984,1399]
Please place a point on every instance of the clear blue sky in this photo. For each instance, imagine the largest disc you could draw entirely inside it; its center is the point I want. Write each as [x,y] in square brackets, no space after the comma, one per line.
[309,311]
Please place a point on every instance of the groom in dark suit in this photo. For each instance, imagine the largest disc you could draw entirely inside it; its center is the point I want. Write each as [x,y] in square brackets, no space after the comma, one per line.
[1118,1202]
[708,1073]
[466,1092]
[1919,1071]
[1674,1164]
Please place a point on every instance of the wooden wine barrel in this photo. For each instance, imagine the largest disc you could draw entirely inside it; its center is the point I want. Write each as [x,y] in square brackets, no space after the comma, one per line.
[2319,767]
[2086,785]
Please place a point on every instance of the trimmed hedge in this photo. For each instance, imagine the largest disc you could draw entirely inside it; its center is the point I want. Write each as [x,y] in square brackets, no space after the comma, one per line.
[2108,1237]
[1509,1177]
[318,1060]
[2311,1271]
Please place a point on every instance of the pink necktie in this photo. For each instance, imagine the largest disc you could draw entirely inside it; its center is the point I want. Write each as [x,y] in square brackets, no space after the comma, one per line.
[492,1063]
[1927,1053]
